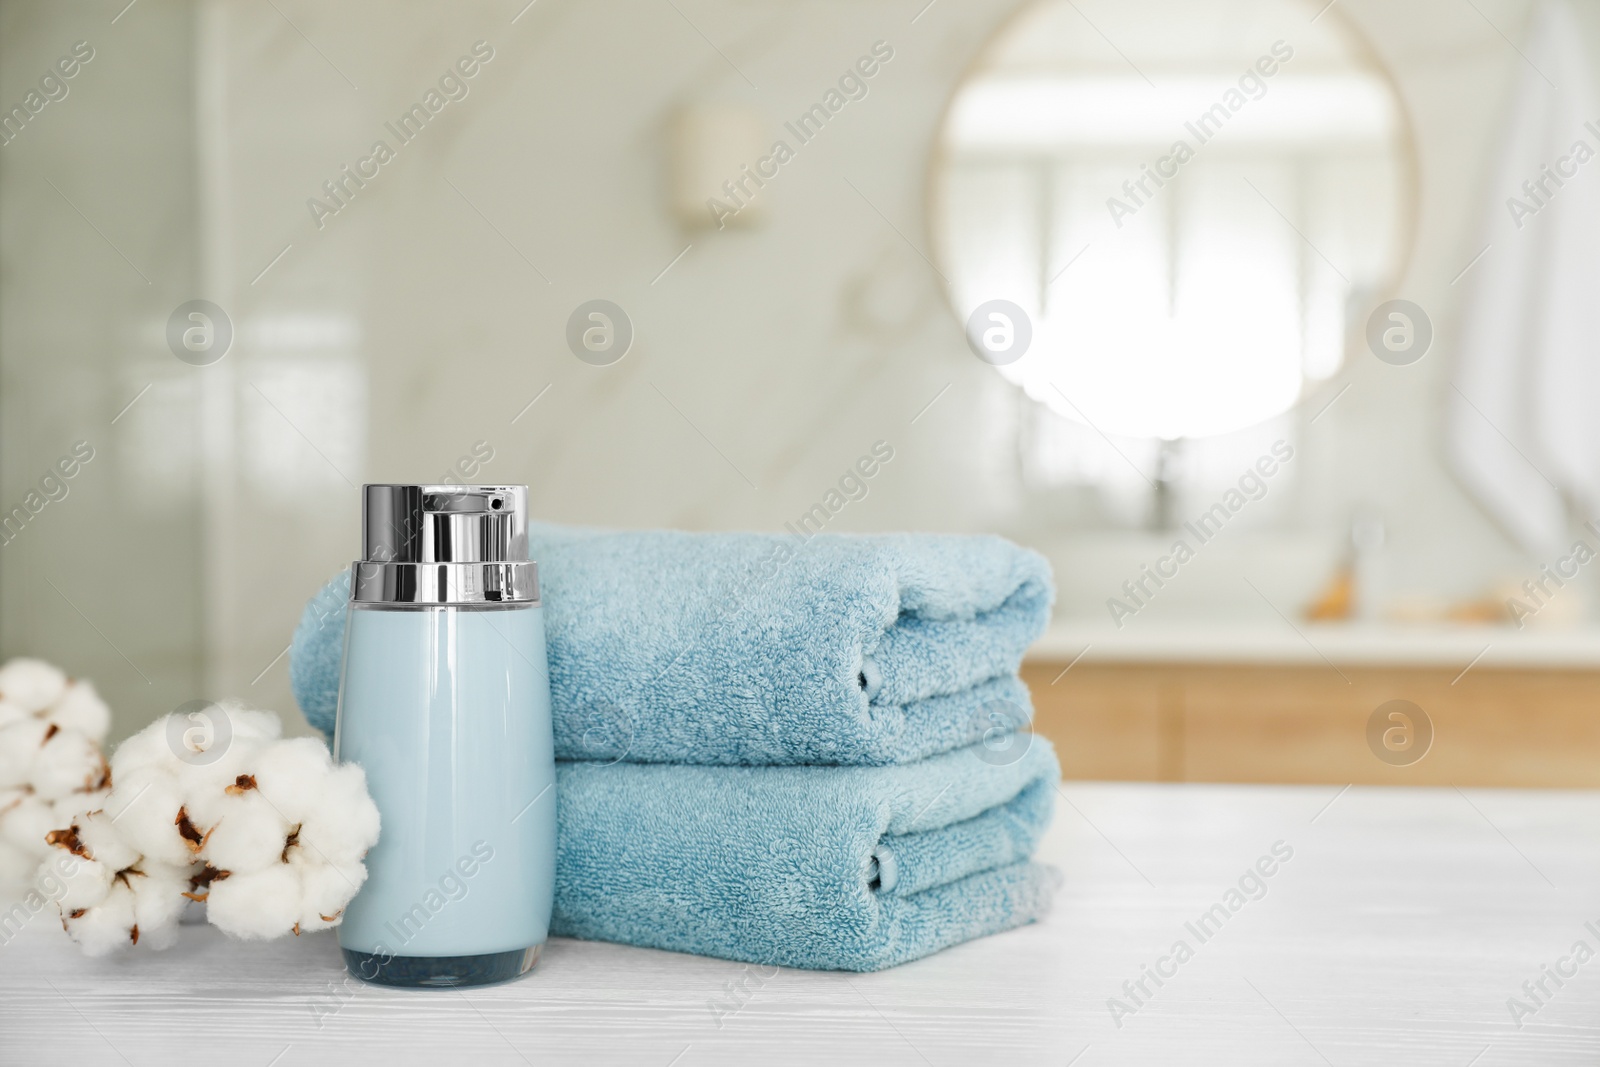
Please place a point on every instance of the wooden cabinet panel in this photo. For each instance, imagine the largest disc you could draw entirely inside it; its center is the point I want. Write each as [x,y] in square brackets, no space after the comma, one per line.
[1276,725]
[1106,723]
[1517,728]
[1227,723]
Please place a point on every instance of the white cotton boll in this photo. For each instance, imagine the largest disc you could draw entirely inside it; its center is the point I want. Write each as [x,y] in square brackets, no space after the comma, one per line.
[291,774]
[147,803]
[19,747]
[157,938]
[211,789]
[327,890]
[180,743]
[210,743]
[158,903]
[250,724]
[256,906]
[67,762]
[205,781]
[139,906]
[170,743]
[206,747]
[28,821]
[103,928]
[87,884]
[344,824]
[249,834]
[80,708]
[279,827]
[147,748]
[69,807]
[206,801]
[11,797]
[12,713]
[17,865]
[32,684]
[102,839]
[73,809]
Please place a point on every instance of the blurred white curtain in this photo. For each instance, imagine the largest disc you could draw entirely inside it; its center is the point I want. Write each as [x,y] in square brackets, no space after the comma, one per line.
[1523,432]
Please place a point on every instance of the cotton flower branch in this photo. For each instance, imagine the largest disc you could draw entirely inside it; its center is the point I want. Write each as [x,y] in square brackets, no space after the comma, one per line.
[51,728]
[269,833]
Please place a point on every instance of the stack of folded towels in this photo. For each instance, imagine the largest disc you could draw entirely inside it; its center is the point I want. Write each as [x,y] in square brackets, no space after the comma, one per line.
[802,754]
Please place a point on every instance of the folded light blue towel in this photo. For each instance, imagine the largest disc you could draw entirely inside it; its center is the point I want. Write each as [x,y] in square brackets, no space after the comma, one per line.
[824,868]
[760,649]
[828,868]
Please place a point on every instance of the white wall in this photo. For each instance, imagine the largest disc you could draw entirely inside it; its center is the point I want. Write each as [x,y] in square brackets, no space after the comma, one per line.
[382,346]
[101,581]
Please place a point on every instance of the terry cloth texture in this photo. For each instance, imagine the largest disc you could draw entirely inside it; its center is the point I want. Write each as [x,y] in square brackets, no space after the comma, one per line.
[760,649]
[831,868]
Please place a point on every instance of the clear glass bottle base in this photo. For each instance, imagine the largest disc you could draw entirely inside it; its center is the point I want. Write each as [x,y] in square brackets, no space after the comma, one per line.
[441,972]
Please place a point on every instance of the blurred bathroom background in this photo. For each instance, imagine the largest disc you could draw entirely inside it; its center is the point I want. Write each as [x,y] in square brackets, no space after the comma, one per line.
[405,316]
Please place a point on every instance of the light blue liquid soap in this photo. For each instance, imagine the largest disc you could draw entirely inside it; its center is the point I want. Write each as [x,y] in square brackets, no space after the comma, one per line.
[445,701]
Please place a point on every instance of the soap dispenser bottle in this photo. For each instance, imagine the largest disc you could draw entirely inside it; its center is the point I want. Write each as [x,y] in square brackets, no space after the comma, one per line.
[445,701]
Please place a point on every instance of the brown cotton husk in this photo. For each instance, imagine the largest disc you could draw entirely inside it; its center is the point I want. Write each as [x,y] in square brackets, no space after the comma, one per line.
[68,839]
[202,879]
[290,842]
[190,834]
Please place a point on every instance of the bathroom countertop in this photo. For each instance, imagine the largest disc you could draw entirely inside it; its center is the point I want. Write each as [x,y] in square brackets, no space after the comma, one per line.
[1394,927]
[1281,642]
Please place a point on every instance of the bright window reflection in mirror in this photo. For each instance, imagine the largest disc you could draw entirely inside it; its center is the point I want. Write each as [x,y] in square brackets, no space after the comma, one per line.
[1193,200]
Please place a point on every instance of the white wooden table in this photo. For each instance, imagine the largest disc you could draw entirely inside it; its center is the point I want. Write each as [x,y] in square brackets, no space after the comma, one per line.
[1394,935]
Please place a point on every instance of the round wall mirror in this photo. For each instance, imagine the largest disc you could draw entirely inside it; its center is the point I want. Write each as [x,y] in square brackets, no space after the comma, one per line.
[1195,203]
